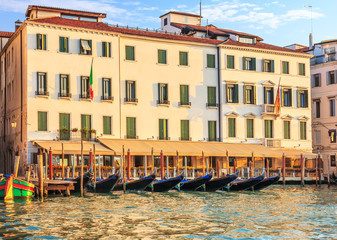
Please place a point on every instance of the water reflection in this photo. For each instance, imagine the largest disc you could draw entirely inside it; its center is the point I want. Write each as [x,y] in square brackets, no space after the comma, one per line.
[277,212]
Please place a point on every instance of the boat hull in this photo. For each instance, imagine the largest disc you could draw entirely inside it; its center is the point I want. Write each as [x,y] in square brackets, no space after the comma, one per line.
[192,185]
[77,185]
[105,185]
[165,185]
[217,183]
[266,182]
[13,188]
[136,185]
[242,185]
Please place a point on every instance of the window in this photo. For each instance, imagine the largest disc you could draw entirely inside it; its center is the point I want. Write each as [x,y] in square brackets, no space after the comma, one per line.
[317,105]
[303,130]
[332,107]
[210,61]
[162,93]
[316,80]
[333,160]
[106,125]
[165,21]
[64,119]
[88,19]
[42,121]
[231,127]
[183,58]
[268,65]
[130,53]
[64,44]
[131,127]
[106,49]
[86,127]
[268,128]
[230,62]
[184,95]
[332,135]
[185,131]
[130,91]
[249,63]
[317,137]
[301,69]
[211,97]
[286,97]
[231,161]
[286,129]
[232,93]
[41,41]
[250,128]
[85,88]
[331,77]
[162,56]
[64,86]
[86,47]
[106,89]
[211,130]
[285,67]
[163,133]
[302,98]
[249,94]
[41,84]
[246,40]
[268,95]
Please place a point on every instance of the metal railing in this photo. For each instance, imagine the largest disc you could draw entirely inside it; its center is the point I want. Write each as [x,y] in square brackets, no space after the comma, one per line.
[268,109]
[107,98]
[131,100]
[65,95]
[163,102]
[212,105]
[184,103]
[41,93]
[268,142]
[85,96]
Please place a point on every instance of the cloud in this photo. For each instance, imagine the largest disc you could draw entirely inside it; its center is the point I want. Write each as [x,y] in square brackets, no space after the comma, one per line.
[182,6]
[293,15]
[147,8]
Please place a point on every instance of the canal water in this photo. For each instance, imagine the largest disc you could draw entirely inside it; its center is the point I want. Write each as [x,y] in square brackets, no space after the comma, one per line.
[290,212]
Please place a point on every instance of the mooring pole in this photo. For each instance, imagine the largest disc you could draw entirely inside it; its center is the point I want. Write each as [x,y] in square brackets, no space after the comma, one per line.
[284,169]
[203,163]
[41,175]
[302,170]
[128,163]
[319,170]
[145,165]
[328,172]
[185,160]
[167,167]
[161,165]
[94,159]
[82,160]
[50,164]
[74,165]
[267,166]
[62,162]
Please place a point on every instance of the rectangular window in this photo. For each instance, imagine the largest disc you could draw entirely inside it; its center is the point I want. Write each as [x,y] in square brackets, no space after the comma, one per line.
[211,130]
[41,42]
[333,160]
[249,94]
[317,105]
[210,61]
[165,21]
[85,88]
[286,97]
[250,128]
[286,129]
[230,62]
[331,77]
[317,137]
[64,86]
[211,96]
[106,49]
[130,53]
[268,95]
[131,91]
[303,130]
[232,93]
[302,98]
[162,93]
[285,67]
[332,107]
[86,47]
[183,58]
[106,89]
[185,130]
[162,56]
[231,127]
[316,80]
[86,127]
[41,84]
[131,127]
[64,119]
[106,125]
[301,69]
[184,95]
[268,129]
[64,44]
[268,65]
[332,135]
[42,121]
[249,63]
[163,132]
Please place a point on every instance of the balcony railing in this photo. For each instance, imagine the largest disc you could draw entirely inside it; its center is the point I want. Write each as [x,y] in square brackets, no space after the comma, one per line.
[131,137]
[268,109]
[131,100]
[323,58]
[212,105]
[107,98]
[85,96]
[268,142]
[41,93]
[163,102]
[164,138]
[65,95]
[187,104]
[185,139]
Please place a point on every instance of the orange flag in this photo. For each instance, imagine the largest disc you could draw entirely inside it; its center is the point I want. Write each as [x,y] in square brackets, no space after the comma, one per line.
[277,101]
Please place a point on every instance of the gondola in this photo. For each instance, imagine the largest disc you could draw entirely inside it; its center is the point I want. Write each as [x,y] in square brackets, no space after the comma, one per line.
[77,185]
[165,185]
[217,183]
[135,185]
[334,178]
[192,185]
[266,182]
[105,185]
[244,184]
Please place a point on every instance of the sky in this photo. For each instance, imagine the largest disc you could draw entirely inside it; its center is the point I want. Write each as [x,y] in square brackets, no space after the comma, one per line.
[281,22]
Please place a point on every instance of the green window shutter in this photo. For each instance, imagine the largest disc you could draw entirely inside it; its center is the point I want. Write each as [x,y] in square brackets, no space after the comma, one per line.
[184,125]
[130,127]
[254,95]
[268,128]
[254,64]
[130,53]
[272,65]
[211,130]
[286,129]
[64,123]
[250,128]
[236,94]
[38,41]
[163,129]
[265,95]
[303,130]
[230,62]
[44,42]
[104,52]
[290,97]
[42,121]
[160,97]
[109,50]
[107,125]
[66,49]
[244,63]
[183,58]
[61,40]
[244,94]
[306,98]
[231,127]
[184,98]
[162,56]
[210,60]
[86,124]
[211,96]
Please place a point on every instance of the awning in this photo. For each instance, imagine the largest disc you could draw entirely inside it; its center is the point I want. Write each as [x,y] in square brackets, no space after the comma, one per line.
[189,148]
[85,45]
[73,147]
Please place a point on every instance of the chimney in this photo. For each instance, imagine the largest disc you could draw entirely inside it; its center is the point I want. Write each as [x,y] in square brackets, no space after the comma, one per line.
[310,41]
[18,23]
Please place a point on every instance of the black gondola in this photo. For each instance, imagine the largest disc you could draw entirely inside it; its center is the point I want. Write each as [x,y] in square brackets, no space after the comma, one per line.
[266,182]
[244,184]
[217,183]
[165,185]
[105,185]
[192,185]
[77,185]
[135,185]
[334,178]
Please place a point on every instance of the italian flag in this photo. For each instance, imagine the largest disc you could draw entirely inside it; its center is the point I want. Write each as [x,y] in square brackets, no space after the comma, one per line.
[91,80]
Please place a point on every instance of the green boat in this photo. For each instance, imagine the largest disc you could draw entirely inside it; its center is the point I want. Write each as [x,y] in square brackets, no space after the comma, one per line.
[14,188]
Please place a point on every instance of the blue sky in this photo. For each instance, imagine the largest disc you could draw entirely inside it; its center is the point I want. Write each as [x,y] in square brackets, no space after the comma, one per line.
[281,22]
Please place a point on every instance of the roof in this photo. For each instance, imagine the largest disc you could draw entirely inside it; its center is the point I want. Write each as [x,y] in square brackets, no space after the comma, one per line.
[181,13]
[302,50]
[105,27]
[6,34]
[64,10]
[240,33]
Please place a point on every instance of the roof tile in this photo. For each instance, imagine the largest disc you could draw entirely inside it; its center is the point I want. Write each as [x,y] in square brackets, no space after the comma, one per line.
[6,34]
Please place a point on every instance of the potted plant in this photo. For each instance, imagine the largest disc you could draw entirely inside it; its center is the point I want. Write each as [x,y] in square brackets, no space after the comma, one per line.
[74,130]
[84,130]
[64,130]
[93,131]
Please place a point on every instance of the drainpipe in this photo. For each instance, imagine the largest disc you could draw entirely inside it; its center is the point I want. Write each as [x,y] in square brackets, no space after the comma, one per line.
[120,87]
[219,94]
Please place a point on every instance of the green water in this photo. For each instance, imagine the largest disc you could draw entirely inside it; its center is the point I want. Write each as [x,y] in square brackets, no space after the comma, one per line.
[290,212]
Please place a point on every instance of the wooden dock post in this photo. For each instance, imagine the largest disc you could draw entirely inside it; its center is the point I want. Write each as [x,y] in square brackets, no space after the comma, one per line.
[207,164]
[267,166]
[16,166]
[284,169]
[46,163]
[253,160]
[329,172]
[123,165]
[94,159]
[167,167]
[50,164]
[128,163]
[302,170]
[82,163]
[62,161]
[152,158]
[319,170]
[41,175]
[234,168]
[177,162]
[218,167]
[161,165]
[100,165]
[74,166]
[227,162]
[90,159]
[185,160]
[145,165]
[203,163]
[316,170]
